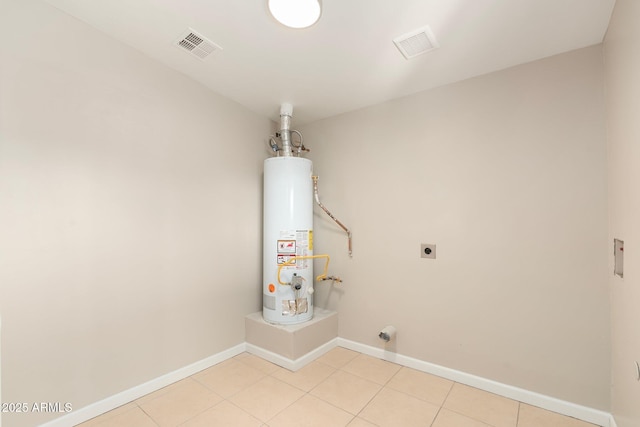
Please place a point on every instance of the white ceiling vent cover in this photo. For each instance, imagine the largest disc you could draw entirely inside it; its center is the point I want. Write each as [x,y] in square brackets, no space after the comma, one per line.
[416,42]
[196,44]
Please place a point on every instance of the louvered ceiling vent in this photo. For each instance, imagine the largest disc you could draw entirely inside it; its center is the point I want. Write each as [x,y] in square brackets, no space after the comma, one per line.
[196,44]
[416,42]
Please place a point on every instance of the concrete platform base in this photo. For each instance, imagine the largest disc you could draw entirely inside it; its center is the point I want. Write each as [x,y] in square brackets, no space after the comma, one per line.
[292,346]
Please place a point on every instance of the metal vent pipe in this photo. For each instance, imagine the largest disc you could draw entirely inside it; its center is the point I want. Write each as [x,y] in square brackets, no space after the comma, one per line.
[286,111]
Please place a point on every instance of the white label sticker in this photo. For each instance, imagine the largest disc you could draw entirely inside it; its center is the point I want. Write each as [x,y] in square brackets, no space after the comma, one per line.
[293,243]
[286,246]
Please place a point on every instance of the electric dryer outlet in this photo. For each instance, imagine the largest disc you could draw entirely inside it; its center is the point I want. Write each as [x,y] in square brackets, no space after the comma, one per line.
[428,250]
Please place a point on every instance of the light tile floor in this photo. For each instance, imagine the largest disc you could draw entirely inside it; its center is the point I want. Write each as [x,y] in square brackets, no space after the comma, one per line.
[341,388]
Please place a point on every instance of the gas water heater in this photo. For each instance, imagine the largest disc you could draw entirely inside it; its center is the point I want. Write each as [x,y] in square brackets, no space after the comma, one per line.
[288,229]
[289,191]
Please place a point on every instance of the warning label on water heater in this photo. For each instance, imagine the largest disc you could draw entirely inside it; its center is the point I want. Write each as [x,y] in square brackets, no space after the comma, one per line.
[286,246]
[294,243]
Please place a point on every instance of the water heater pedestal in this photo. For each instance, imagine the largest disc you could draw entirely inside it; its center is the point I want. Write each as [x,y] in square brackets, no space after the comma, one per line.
[292,346]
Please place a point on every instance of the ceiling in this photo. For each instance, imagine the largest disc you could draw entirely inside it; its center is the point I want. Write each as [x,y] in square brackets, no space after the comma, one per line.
[347,60]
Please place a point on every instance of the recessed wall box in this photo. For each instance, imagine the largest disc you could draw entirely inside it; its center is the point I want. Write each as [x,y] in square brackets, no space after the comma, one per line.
[427,250]
[618,257]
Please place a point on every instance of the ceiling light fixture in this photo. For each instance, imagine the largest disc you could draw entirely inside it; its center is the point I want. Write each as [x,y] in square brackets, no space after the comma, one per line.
[295,13]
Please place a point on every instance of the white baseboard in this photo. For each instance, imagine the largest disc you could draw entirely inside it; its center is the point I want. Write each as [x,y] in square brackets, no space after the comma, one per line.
[292,365]
[556,405]
[0,369]
[84,414]
[584,413]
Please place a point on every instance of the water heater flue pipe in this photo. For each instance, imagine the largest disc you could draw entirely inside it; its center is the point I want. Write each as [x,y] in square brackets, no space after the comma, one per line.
[317,197]
[286,111]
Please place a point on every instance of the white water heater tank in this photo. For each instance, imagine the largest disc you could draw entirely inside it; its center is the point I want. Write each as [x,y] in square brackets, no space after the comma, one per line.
[288,232]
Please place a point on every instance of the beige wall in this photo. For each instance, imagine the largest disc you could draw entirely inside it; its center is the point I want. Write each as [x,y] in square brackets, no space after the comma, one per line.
[129,194]
[130,202]
[506,174]
[622,77]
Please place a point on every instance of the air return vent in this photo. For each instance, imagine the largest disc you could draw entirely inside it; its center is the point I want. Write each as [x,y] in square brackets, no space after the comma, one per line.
[416,42]
[196,44]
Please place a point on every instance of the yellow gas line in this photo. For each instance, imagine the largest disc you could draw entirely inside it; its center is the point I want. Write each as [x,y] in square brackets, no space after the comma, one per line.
[291,260]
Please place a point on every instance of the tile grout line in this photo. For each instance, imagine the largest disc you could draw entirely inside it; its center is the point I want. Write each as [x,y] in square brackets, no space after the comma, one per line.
[336,369]
[377,393]
[342,370]
[473,418]
[442,404]
[305,393]
[148,415]
[224,399]
[243,410]
[329,403]
[266,372]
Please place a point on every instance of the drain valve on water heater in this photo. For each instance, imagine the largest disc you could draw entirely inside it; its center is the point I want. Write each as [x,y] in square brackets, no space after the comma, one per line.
[296,282]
